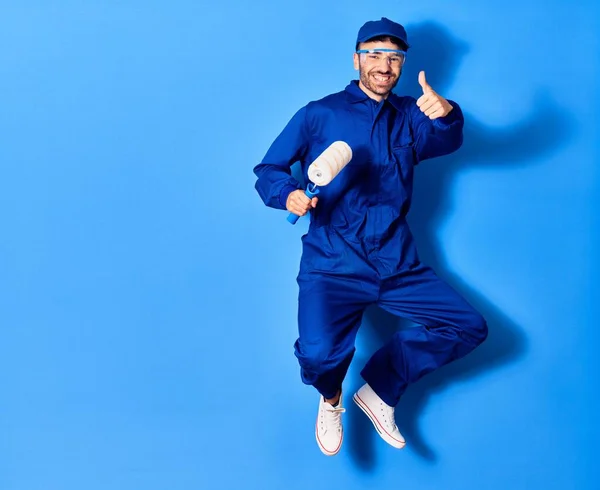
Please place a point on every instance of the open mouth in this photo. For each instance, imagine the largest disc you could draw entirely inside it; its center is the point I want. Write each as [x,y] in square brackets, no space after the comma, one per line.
[382,78]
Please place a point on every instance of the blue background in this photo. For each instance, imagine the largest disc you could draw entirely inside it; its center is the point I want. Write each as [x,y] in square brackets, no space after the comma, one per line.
[148,298]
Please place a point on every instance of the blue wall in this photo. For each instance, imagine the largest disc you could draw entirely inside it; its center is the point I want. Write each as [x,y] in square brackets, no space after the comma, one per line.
[148,298]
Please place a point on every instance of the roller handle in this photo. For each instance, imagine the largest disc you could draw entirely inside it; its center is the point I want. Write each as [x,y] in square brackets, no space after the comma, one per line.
[310,193]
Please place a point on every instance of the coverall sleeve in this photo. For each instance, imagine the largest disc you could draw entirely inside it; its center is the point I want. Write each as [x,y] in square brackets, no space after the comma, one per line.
[441,136]
[275,181]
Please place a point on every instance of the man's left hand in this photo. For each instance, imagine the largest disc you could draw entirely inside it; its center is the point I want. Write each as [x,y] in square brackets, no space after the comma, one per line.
[431,103]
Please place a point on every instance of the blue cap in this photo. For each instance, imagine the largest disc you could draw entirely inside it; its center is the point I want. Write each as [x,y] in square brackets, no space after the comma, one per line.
[383,27]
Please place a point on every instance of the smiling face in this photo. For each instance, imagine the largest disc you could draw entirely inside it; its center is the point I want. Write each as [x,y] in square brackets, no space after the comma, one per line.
[379,74]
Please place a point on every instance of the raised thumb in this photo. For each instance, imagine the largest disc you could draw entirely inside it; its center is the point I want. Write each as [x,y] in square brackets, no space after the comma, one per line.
[423,82]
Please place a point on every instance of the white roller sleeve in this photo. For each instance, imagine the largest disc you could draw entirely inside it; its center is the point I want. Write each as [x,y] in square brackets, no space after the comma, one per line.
[329,163]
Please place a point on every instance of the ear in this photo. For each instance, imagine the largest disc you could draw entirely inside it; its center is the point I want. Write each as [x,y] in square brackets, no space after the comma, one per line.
[356,67]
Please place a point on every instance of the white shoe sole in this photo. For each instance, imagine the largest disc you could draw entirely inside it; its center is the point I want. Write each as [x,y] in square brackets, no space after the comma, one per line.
[387,437]
[325,451]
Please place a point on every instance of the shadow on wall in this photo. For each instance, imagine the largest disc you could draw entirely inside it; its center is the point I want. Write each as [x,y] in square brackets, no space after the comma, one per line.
[436,51]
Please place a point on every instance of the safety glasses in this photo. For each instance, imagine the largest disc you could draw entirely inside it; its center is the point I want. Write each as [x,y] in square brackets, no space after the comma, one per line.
[394,57]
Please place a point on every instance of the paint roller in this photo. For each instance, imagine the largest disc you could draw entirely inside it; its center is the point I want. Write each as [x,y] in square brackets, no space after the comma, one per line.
[324,169]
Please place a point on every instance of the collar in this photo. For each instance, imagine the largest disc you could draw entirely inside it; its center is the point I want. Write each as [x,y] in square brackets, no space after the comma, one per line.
[354,93]
[397,102]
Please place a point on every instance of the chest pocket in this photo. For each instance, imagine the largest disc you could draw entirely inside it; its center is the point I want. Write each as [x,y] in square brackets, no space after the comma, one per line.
[401,140]
[404,155]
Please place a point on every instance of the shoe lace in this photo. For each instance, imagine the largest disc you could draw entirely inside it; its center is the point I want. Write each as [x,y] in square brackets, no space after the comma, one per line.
[333,417]
[388,416]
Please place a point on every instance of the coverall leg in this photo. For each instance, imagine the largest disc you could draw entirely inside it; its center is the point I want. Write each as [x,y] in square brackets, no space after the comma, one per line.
[448,329]
[335,287]
[330,312]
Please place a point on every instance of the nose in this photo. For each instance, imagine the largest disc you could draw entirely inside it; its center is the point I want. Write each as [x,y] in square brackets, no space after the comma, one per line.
[385,61]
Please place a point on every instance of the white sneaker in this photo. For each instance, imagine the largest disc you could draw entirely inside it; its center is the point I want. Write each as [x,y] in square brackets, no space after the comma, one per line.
[329,431]
[381,414]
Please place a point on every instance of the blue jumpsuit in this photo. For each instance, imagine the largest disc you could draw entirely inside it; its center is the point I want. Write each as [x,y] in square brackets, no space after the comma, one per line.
[359,250]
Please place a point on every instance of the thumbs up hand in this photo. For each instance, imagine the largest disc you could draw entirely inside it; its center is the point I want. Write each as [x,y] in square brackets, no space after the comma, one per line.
[432,104]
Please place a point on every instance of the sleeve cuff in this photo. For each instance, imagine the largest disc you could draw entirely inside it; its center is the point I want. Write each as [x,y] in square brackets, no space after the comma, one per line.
[285,192]
[454,116]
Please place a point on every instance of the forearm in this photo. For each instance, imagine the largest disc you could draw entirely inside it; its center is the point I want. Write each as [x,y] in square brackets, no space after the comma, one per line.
[275,180]
[441,136]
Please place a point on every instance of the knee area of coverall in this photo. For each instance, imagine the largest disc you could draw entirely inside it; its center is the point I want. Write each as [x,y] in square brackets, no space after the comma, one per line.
[468,331]
[474,330]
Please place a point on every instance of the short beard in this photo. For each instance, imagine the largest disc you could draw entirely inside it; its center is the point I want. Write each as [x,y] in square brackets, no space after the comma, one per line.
[364,78]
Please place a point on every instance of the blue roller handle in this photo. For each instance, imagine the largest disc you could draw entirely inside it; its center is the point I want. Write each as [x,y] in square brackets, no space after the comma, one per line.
[310,193]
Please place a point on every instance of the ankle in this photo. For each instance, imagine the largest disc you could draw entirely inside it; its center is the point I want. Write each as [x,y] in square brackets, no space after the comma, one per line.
[335,400]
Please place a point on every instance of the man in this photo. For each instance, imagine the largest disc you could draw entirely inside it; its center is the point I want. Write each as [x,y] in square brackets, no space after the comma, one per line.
[359,249]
